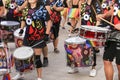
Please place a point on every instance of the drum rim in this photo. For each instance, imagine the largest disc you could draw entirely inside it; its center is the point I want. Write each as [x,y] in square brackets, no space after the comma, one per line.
[17,23]
[76,42]
[23,58]
[93,39]
[94,30]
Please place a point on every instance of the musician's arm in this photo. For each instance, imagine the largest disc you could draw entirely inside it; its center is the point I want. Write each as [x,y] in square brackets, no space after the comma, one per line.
[105,15]
[57,8]
[24,5]
[2,8]
[48,26]
[117,26]
[23,24]
[69,3]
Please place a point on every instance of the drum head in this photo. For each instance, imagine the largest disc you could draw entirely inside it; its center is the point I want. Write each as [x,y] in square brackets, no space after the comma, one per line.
[9,23]
[94,28]
[23,53]
[75,40]
[16,33]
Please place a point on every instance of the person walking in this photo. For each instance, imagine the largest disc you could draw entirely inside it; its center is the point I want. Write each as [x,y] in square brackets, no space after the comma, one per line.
[112,45]
[35,34]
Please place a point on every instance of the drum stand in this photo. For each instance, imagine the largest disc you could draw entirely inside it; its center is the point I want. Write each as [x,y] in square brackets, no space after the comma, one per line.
[6,74]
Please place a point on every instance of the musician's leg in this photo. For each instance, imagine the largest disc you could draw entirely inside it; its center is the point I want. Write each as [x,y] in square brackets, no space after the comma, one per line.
[19,75]
[109,54]
[108,69]
[38,62]
[118,60]
[93,70]
[45,56]
[118,66]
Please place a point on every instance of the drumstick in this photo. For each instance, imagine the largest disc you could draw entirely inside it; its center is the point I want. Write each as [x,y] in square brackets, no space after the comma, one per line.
[107,21]
[103,18]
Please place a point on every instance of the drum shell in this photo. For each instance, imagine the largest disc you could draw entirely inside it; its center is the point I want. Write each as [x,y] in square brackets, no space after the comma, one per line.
[75,53]
[7,29]
[19,39]
[10,26]
[24,63]
[96,34]
[5,59]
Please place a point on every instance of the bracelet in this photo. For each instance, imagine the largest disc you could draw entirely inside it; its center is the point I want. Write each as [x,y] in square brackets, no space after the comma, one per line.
[18,8]
[51,8]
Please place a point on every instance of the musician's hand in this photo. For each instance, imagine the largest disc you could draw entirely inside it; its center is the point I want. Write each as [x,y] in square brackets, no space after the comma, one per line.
[21,32]
[54,7]
[99,16]
[117,26]
[46,38]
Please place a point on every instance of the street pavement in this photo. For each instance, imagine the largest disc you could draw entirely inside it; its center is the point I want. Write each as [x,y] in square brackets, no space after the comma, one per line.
[57,69]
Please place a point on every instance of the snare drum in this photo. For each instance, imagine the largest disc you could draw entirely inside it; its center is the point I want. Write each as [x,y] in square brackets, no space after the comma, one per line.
[76,57]
[18,39]
[94,33]
[7,28]
[10,25]
[24,60]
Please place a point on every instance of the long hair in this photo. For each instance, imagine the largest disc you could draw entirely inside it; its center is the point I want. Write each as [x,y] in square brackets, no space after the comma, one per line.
[39,3]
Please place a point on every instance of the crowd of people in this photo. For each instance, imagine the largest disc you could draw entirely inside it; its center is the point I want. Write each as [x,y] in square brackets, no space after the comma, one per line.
[43,19]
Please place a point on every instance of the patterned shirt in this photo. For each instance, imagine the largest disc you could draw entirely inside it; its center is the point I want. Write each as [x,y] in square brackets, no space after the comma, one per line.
[35,21]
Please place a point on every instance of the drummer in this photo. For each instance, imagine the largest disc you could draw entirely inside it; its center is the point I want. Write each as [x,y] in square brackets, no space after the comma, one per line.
[38,26]
[10,6]
[64,13]
[88,18]
[112,45]
[73,14]
[45,49]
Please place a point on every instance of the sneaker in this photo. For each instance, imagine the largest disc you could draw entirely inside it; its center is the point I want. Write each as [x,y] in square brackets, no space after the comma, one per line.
[69,35]
[45,62]
[18,76]
[56,50]
[73,70]
[96,50]
[93,72]
[63,27]
[39,79]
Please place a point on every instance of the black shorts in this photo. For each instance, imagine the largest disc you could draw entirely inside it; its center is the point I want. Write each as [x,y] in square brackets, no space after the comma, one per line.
[112,50]
[55,29]
[34,44]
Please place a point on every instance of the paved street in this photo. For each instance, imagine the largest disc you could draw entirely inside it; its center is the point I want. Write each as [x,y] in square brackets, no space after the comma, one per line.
[57,69]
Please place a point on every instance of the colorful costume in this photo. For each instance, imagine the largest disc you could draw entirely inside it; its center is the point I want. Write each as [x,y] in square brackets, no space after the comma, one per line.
[35,22]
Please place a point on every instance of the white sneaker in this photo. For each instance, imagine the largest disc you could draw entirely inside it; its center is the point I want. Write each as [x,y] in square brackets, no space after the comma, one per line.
[73,70]
[93,72]
[69,35]
[39,79]
[18,76]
